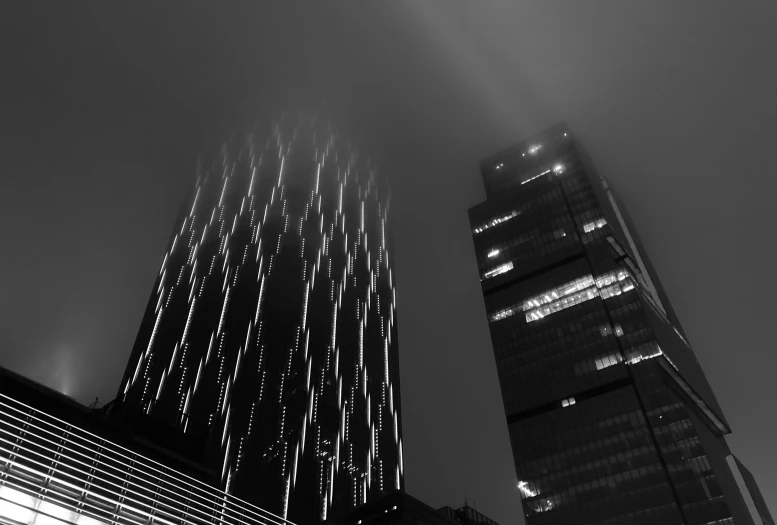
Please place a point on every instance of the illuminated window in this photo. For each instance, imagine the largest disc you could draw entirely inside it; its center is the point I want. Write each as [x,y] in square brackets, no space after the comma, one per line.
[558,169]
[568,402]
[560,298]
[504,313]
[558,234]
[605,330]
[616,289]
[607,361]
[493,253]
[536,176]
[576,292]
[502,268]
[496,220]
[594,225]
[643,352]
[526,491]
[567,295]
[17,506]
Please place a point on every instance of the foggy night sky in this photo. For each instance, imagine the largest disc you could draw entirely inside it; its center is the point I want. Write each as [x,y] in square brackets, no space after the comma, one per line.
[104,108]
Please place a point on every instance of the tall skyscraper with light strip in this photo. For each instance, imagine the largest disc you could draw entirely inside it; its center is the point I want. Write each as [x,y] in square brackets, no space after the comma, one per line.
[611,418]
[270,341]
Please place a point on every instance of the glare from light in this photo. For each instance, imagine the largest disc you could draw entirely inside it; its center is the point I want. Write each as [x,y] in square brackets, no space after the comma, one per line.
[16,505]
[593,225]
[52,514]
[502,268]
[558,168]
[525,490]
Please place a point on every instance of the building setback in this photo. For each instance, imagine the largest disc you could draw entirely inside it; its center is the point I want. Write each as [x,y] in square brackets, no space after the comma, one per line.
[611,418]
[269,342]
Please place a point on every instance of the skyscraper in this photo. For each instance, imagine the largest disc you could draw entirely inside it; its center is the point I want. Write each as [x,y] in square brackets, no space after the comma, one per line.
[270,340]
[611,418]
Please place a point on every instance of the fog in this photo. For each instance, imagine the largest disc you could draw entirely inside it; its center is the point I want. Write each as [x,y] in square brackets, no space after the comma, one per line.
[105,106]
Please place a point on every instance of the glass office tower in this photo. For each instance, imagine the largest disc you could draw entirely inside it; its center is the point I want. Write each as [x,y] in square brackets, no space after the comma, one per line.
[610,416]
[269,342]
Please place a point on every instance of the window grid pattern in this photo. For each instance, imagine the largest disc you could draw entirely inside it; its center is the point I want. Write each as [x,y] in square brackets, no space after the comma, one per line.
[544,227]
[568,295]
[576,462]
[696,484]
[53,473]
[537,364]
[603,458]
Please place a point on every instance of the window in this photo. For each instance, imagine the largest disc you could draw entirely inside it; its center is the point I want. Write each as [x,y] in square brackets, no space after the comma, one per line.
[568,402]
[536,176]
[565,296]
[504,313]
[594,225]
[559,298]
[496,220]
[607,361]
[502,268]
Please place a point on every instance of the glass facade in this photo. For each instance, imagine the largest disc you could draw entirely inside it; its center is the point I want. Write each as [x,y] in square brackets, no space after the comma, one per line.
[610,416]
[60,465]
[270,337]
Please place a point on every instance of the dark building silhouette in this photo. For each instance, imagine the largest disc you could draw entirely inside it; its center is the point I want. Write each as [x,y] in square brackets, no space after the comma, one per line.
[611,418]
[269,343]
[400,508]
[466,515]
[64,464]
